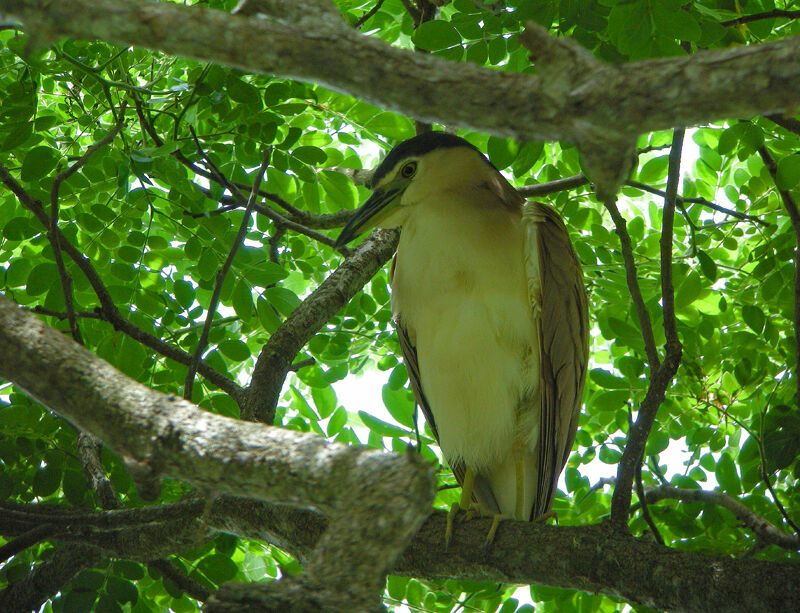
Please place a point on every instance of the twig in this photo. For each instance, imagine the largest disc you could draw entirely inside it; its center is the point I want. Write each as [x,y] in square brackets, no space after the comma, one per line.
[551,187]
[334,220]
[778,503]
[702,201]
[222,272]
[763,529]
[633,284]
[357,25]
[794,216]
[181,579]
[775,13]
[784,121]
[53,233]
[645,511]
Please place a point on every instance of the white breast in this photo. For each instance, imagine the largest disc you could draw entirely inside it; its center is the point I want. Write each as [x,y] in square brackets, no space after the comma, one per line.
[461,291]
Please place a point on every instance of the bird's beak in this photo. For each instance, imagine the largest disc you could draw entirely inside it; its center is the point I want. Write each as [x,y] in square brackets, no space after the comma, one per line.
[369,214]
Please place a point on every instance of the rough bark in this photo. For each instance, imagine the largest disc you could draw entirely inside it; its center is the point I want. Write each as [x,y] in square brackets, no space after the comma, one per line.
[375,501]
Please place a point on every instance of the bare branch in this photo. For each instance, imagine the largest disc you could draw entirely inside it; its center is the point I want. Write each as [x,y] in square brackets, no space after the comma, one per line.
[181,579]
[773,14]
[357,25]
[633,284]
[275,358]
[222,273]
[794,215]
[552,187]
[763,529]
[661,376]
[702,201]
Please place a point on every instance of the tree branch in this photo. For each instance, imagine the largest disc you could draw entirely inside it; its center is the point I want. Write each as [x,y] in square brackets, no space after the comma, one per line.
[763,529]
[375,501]
[794,216]
[108,310]
[633,284]
[602,104]
[275,358]
[661,376]
[221,274]
[773,14]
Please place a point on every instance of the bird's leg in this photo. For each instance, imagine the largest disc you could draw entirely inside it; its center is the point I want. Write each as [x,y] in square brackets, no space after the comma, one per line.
[519,472]
[466,499]
[519,510]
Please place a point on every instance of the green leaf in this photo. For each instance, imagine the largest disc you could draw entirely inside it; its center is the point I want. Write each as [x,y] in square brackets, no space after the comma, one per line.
[502,151]
[242,92]
[654,169]
[605,379]
[707,265]
[435,35]
[337,421]
[235,350]
[324,399]
[122,590]
[688,291]
[399,405]
[788,175]
[39,162]
[609,456]
[42,278]
[184,293]
[754,318]
[243,301]
[284,300]
[218,568]
[727,477]
[46,480]
[341,192]
[381,428]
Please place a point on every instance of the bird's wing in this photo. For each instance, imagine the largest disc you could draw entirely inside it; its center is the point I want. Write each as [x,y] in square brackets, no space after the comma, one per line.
[558,301]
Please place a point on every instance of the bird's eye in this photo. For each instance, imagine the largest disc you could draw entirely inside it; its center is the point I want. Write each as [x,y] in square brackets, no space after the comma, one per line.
[408,170]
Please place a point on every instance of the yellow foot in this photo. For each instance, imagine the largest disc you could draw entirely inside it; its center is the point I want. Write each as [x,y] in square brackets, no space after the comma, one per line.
[543,518]
[451,516]
[496,519]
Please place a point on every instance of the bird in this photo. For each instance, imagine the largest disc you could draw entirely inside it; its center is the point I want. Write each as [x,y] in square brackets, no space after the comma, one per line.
[491,314]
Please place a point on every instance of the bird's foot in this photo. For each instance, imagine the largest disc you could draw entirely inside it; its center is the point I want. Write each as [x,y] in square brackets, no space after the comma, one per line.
[470,513]
[496,519]
[451,516]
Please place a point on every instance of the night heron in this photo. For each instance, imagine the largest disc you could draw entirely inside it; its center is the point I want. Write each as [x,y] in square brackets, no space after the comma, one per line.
[490,308]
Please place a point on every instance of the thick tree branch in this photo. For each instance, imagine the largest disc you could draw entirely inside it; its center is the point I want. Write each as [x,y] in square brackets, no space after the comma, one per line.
[601,104]
[275,358]
[375,501]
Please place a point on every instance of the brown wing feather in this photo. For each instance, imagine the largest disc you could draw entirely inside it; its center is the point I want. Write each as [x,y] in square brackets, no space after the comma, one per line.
[564,346]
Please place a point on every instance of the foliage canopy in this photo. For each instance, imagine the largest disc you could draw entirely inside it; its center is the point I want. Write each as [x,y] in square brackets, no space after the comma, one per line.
[155,213]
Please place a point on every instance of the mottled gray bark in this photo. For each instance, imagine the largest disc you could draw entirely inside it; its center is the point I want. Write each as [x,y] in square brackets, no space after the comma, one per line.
[374,501]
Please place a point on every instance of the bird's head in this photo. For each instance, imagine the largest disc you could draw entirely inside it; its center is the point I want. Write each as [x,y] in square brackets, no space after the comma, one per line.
[414,170]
